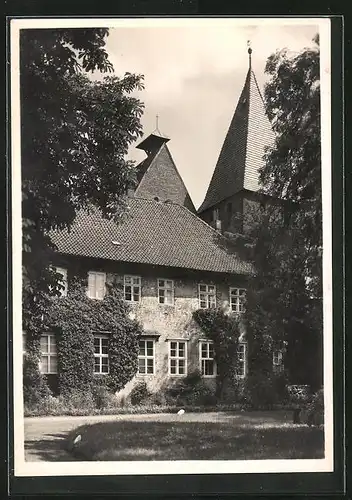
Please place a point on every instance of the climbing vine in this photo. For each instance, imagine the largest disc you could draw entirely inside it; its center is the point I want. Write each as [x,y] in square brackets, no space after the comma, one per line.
[74,319]
[224,331]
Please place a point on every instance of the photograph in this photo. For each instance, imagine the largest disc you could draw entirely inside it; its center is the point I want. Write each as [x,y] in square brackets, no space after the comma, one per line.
[171,245]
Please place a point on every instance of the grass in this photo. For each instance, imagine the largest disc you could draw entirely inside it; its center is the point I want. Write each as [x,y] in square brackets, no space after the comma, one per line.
[217,436]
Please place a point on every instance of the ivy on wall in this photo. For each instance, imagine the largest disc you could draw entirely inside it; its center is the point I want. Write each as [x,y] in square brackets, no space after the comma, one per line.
[74,319]
[224,331]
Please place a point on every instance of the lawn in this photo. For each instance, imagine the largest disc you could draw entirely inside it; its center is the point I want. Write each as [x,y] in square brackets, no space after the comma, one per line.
[214,436]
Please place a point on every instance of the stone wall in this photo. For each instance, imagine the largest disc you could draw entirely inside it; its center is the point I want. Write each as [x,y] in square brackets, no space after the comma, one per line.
[162,322]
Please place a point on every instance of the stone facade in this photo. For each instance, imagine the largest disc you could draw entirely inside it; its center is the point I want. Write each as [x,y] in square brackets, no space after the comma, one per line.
[161,322]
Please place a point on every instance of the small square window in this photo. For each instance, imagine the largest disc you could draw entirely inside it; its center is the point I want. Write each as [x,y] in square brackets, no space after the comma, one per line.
[166,292]
[207,296]
[132,288]
[237,299]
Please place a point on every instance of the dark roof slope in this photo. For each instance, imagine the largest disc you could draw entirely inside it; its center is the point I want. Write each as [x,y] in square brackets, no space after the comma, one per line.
[158,176]
[242,152]
[156,233]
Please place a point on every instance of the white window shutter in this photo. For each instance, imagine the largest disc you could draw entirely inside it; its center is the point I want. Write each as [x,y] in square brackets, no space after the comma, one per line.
[100,286]
[91,285]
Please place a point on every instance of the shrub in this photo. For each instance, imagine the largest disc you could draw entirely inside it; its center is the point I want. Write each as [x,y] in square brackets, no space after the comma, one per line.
[139,393]
[78,399]
[35,387]
[102,396]
[315,409]
[192,390]
[265,390]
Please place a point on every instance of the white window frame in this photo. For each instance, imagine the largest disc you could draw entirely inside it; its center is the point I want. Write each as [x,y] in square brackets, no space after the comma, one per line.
[164,288]
[244,360]
[236,304]
[207,295]
[63,281]
[178,358]
[133,286]
[95,274]
[146,357]
[100,355]
[278,359]
[49,354]
[208,358]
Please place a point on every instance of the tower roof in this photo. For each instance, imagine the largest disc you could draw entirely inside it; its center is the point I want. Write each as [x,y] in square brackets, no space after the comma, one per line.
[241,155]
[157,174]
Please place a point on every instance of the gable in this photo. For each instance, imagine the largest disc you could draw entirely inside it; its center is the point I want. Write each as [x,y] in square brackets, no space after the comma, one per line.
[159,178]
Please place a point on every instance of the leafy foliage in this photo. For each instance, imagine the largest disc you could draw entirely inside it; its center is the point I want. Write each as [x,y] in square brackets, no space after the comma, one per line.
[224,331]
[75,133]
[35,387]
[75,318]
[284,300]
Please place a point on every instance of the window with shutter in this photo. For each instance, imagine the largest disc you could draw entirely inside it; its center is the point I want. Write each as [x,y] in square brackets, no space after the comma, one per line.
[96,285]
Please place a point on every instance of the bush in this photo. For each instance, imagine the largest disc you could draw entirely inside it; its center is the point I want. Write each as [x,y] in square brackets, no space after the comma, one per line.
[102,395]
[192,390]
[78,399]
[35,387]
[265,390]
[315,409]
[139,393]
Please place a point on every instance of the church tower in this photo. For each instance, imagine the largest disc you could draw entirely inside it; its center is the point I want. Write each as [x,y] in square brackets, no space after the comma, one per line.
[157,175]
[235,181]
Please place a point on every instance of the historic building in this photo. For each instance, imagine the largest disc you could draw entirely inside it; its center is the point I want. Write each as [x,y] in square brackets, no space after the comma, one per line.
[235,181]
[167,260]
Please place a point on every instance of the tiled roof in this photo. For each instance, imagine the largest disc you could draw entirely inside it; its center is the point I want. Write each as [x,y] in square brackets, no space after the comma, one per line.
[158,176]
[156,233]
[243,149]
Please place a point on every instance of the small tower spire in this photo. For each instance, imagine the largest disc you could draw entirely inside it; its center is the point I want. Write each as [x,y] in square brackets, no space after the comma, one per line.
[250,53]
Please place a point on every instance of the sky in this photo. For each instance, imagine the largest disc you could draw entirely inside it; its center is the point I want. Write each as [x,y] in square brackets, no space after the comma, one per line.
[194,75]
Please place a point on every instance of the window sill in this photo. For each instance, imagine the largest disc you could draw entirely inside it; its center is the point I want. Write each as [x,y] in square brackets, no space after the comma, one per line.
[208,376]
[143,375]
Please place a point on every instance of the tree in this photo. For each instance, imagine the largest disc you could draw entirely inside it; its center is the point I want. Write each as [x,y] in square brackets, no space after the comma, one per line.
[284,303]
[75,133]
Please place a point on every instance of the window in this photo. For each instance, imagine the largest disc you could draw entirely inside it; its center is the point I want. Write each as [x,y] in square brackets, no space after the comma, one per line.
[207,296]
[278,360]
[132,288]
[241,360]
[63,280]
[146,357]
[237,299]
[216,214]
[96,285]
[48,354]
[166,292]
[101,353]
[177,358]
[207,361]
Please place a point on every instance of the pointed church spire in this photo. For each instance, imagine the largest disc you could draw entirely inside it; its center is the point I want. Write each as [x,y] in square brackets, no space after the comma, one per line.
[241,155]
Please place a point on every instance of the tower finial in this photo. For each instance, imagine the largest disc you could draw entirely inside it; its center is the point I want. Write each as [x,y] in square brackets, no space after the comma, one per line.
[157,121]
[250,53]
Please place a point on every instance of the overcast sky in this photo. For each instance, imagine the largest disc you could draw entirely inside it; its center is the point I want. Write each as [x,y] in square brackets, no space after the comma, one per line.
[193,79]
